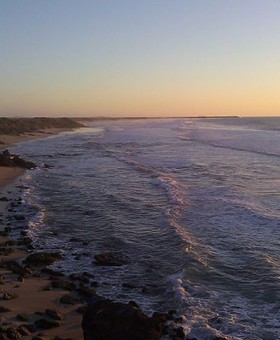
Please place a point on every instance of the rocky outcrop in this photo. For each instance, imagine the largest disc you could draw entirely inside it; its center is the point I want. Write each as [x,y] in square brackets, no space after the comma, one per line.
[42,259]
[10,160]
[105,319]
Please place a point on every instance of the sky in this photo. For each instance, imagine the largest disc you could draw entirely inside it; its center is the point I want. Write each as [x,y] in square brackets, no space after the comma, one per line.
[139,58]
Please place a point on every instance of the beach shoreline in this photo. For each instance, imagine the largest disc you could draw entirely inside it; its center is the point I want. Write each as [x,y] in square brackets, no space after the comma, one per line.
[33,293]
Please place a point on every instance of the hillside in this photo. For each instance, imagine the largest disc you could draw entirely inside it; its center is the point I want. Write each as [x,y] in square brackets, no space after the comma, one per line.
[17,126]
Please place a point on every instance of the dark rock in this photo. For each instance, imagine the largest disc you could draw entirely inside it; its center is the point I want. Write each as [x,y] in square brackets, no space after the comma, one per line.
[22,317]
[42,259]
[162,317]
[4,199]
[10,243]
[5,251]
[13,333]
[134,304]
[180,333]
[52,272]
[54,314]
[81,309]
[9,296]
[110,259]
[63,284]
[23,330]
[20,279]
[171,314]
[39,313]
[11,160]
[16,268]
[68,300]
[105,319]
[87,292]
[31,328]
[46,324]
[4,309]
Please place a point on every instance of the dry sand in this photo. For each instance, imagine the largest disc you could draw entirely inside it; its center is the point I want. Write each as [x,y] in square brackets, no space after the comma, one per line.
[31,296]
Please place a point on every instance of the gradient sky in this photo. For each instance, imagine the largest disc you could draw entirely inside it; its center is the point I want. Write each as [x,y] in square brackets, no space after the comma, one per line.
[139,57]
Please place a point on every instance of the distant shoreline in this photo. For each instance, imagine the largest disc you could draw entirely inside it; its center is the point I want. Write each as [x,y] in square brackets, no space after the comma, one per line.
[150,118]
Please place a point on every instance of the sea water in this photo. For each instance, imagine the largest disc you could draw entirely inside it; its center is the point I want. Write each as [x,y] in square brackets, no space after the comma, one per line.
[193,205]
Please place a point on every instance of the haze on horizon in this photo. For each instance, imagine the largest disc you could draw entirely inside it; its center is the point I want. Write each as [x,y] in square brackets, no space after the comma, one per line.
[140,58]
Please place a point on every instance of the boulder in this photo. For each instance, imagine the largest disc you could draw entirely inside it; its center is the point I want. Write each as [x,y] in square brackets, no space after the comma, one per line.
[54,314]
[110,259]
[10,160]
[46,324]
[42,259]
[63,284]
[105,319]
[13,333]
[4,309]
[53,273]
[23,330]
[86,292]
[16,268]
[68,300]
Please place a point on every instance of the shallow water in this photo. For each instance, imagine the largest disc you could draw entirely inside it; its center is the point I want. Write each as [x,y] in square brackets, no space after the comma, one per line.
[193,205]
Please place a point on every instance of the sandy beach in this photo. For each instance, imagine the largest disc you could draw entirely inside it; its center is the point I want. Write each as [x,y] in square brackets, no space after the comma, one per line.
[25,298]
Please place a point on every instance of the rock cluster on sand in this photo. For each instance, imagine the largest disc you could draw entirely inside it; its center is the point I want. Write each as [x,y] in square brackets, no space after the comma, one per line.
[11,160]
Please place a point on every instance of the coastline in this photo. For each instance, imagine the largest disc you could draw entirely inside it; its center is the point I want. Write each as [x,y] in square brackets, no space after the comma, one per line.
[37,302]
[34,293]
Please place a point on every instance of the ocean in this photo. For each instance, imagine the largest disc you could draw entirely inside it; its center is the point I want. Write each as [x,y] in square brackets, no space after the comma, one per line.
[193,205]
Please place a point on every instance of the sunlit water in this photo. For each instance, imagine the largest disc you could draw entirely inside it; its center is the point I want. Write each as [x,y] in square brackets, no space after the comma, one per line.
[193,205]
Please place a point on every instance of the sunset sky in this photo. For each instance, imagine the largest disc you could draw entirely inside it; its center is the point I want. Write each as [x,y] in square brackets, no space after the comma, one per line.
[139,57]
